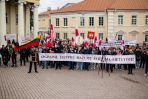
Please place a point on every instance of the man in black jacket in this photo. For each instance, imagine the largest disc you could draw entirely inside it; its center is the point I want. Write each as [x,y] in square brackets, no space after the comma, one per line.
[22,57]
[58,49]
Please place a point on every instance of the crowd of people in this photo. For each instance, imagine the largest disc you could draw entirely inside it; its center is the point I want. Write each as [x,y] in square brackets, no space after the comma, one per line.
[9,55]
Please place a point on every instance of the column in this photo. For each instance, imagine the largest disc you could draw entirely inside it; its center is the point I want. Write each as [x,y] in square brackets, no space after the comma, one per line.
[28,21]
[13,19]
[2,22]
[21,34]
[36,21]
[111,34]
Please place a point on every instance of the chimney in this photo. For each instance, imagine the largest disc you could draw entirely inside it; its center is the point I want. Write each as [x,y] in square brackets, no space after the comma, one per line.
[49,8]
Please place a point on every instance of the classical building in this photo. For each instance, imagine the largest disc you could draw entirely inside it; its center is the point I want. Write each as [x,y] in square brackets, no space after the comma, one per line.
[113,19]
[18,17]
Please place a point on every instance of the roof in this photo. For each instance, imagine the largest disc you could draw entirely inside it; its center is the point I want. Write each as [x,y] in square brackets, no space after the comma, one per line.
[46,13]
[67,5]
[103,5]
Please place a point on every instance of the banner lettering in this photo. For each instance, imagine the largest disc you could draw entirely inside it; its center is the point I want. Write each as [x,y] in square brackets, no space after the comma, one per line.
[109,59]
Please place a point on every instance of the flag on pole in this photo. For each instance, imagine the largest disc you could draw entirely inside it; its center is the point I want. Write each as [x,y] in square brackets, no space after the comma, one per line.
[76,33]
[95,41]
[86,43]
[73,41]
[100,42]
[91,35]
[35,42]
[50,37]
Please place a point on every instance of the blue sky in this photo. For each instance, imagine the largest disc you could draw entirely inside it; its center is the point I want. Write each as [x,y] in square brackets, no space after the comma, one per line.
[54,4]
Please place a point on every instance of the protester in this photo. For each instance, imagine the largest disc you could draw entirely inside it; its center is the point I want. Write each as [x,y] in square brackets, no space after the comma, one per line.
[130,66]
[45,63]
[5,55]
[0,59]
[33,59]
[22,57]
[146,67]
[66,46]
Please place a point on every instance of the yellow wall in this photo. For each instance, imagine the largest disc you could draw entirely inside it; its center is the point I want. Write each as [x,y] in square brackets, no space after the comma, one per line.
[74,22]
[44,23]
[128,28]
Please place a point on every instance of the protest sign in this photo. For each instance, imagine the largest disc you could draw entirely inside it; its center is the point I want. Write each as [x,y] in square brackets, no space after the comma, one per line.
[109,59]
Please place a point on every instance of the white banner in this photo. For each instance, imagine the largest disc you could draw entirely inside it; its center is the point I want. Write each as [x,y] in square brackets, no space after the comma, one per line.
[11,37]
[110,59]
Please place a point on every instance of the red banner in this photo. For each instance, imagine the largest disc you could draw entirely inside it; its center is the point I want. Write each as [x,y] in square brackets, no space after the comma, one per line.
[91,35]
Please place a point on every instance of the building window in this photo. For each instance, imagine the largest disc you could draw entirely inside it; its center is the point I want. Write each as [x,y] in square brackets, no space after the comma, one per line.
[146,20]
[82,35]
[120,19]
[146,38]
[82,21]
[101,21]
[134,20]
[57,35]
[100,36]
[57,22]
[120,37]
[65,22]
[91,21]
[65,35]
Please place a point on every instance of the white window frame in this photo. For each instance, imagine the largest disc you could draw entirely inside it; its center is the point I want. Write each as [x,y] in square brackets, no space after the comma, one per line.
[57,35]
[82,35]
[146,20]
[65,21]
[101,21]
[65,35]
[145,38]
[120,19]
[91,21]
[99,36]
[82,21]
[134,20]
[57,22]
[121,36]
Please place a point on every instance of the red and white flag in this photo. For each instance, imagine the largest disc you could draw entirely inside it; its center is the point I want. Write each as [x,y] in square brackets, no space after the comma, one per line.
[73,42]
[50,37]
[86,42]
[76,33]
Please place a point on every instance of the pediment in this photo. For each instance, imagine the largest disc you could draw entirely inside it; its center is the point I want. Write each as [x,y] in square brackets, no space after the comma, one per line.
[121,32]
[134,32]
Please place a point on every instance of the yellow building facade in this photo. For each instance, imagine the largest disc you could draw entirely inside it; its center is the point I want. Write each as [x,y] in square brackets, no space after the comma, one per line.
[45,21]
[119,19]
[18,17]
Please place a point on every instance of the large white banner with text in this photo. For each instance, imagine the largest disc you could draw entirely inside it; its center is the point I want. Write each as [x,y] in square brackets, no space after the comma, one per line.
[109,59]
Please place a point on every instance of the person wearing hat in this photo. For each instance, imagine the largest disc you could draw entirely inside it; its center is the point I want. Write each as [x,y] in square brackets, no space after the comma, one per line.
[33,59]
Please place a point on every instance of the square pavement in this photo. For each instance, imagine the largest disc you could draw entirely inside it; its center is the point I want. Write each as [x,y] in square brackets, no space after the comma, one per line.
[16,83]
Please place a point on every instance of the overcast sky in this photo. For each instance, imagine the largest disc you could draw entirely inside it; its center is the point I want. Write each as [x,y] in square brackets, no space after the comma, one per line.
[54,4]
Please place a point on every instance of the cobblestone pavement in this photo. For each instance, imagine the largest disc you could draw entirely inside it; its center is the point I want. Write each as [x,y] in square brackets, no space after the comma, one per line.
[16,83]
